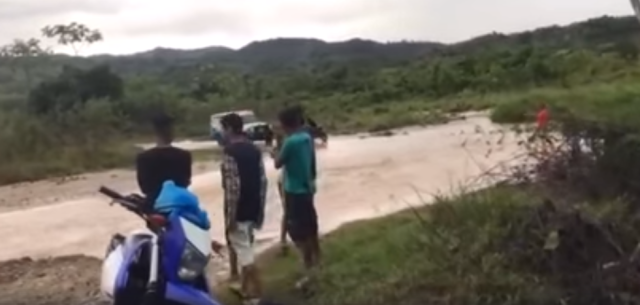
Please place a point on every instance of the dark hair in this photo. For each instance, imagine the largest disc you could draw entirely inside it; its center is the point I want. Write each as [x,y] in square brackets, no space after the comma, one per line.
[232,121]
[291,117]
[162,125]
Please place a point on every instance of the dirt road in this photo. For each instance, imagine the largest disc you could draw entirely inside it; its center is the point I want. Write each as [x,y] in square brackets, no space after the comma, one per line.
[358,178]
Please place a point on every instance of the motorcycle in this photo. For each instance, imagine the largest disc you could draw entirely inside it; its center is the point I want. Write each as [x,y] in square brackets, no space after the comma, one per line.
[163,265]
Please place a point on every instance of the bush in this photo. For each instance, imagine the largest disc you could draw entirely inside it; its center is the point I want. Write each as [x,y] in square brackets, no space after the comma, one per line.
[604,119]
[446,253]
[42,147]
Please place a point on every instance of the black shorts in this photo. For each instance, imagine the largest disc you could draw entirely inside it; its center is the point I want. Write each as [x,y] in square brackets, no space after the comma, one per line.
[301,217]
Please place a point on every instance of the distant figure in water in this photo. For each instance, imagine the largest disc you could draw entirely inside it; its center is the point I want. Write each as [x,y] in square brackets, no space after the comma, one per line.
[542,118]
[541,132]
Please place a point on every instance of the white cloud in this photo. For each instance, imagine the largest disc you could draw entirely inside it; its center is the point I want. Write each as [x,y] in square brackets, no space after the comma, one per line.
[137,25]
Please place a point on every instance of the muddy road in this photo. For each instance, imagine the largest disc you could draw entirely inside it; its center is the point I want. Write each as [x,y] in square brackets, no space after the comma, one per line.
[359,177]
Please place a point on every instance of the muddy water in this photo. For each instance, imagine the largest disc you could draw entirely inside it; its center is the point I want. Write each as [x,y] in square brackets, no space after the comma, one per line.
[358,178]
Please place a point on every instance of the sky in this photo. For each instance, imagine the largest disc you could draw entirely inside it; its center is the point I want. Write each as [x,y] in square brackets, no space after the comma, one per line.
[130,26]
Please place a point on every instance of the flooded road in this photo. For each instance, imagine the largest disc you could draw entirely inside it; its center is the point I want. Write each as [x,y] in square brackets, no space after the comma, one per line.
[358,178]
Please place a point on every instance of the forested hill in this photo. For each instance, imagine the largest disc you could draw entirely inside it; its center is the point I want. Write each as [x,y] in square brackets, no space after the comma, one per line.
[278,54]
[286,53]
[592,33]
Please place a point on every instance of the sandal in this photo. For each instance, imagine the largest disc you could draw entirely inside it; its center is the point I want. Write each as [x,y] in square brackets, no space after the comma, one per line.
[303,283]
[246,300]
[236,290]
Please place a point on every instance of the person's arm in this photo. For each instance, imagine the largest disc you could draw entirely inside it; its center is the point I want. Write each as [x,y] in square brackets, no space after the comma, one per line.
[314,168]
[231,185]
[142,174]
[284,154]
[263,194]
[263,184]
[312,123]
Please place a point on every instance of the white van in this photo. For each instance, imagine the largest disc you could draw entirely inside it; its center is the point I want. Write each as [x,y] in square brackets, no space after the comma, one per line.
[249,118]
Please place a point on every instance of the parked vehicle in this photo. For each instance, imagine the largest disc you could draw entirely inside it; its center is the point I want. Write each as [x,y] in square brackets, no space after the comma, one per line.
[255,129]
[259,131]
[164,265]
[216,128]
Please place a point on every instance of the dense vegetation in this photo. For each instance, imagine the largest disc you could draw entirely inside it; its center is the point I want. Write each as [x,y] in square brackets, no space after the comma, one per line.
[63,114]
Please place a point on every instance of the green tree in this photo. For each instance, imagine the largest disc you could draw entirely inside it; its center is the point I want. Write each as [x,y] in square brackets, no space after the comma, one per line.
[24,55]
[75,35]
[75,87]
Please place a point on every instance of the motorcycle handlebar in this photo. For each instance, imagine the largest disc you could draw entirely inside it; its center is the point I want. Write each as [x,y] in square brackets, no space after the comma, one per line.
[110,193]
[120,199]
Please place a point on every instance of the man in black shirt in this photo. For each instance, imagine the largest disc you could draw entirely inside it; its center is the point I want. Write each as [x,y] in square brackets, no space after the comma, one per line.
[162,162]
[245,185]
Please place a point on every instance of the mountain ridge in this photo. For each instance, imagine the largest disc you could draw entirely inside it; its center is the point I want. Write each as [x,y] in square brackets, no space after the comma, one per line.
[160,50]
[283,55]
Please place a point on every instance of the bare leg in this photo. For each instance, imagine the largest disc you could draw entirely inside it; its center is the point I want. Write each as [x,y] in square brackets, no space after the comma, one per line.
[283,234]
[251,284]
[233,265]
[307,254]
[283,222]
[317,253]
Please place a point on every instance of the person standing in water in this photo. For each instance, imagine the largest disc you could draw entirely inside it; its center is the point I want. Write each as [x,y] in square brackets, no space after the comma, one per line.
[541,132]
[542,118]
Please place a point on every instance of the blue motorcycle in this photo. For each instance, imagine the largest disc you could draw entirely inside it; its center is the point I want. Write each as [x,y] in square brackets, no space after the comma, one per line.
[161,265]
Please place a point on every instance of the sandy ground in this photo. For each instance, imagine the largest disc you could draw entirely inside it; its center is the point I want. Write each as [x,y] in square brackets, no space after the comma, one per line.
[358,178]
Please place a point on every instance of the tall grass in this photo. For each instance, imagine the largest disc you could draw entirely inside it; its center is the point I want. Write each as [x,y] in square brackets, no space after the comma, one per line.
[445,253]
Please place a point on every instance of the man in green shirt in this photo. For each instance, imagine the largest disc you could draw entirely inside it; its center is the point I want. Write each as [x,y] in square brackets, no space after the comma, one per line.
[298,160]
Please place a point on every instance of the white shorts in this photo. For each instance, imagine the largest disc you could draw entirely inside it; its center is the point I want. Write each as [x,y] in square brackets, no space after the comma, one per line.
[241,240]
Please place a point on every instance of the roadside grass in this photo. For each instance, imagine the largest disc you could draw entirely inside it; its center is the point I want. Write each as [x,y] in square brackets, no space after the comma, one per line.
[616,104]
[67,161]
[444,253]
[78,160]
[349,113]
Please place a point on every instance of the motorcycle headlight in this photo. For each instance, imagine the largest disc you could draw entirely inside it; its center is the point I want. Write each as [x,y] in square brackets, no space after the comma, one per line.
[192,263]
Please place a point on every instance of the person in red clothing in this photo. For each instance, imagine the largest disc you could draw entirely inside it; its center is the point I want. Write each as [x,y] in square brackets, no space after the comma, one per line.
[542,118]
[541,132]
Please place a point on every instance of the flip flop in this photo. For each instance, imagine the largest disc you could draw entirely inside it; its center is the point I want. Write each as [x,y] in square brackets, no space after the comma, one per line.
[236,290]
[243,298]
[251,302]
[303,284]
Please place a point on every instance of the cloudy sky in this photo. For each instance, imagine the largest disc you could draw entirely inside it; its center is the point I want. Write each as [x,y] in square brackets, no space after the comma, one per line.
[138,25]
